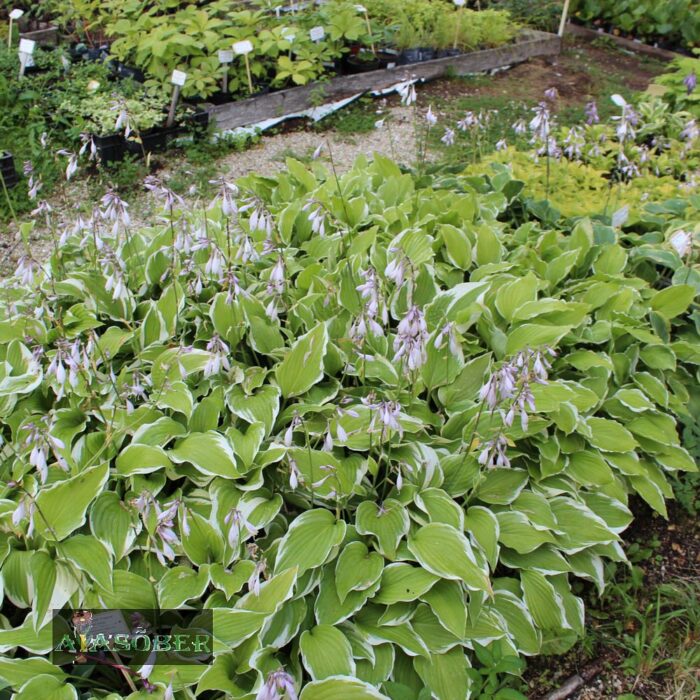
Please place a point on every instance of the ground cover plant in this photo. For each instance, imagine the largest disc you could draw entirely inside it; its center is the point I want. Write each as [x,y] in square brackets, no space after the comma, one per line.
[378,423]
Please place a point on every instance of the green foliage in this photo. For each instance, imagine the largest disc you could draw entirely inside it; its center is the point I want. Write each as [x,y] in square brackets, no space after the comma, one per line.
[240,398]
[677,92]
[674,22]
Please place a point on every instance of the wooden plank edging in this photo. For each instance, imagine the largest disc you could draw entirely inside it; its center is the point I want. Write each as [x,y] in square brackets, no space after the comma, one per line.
[293,100]
[637,46]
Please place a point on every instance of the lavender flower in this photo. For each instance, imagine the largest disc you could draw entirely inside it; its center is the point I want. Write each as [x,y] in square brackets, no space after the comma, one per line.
[407,91]
[448,333]
[448,137]
[519,127]
[278,686]
[316,216]
[162,192]
[551,94]
[627,121]
[411,338]
[275,283]
[226,194]
[430,117]
[540,125]
[690,81]
[42,445]
[591,112]
[72,167]
[574,142]
[493,453]
[27,270]
[682,242]
[219,356]
[386,412]
[238,523]
[24,511]
[115,210]
[501,145]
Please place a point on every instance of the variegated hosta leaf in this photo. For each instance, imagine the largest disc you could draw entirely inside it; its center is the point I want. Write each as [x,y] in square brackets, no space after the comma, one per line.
[380,456]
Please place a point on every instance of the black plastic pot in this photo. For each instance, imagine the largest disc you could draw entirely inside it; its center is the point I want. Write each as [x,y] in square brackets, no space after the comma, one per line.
[408,56]
[388,58]
[427,54]
[152,141]
[7,170]
[360,63]
[123,72]
[110,149]
[445,53]
[219,98]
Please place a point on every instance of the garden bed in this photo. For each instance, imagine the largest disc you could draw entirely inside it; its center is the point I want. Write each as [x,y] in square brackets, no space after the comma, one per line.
[286,102]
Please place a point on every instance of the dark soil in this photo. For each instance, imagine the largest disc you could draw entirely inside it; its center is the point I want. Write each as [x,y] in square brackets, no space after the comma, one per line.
[674,559]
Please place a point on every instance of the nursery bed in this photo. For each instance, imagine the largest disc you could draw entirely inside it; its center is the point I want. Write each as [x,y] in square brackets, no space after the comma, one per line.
[286,102]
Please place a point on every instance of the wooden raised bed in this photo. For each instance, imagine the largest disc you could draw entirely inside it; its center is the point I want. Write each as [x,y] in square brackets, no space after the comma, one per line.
[285,102]
[631,44]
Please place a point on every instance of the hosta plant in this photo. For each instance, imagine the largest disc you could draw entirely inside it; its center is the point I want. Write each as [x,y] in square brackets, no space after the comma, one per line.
[377,425]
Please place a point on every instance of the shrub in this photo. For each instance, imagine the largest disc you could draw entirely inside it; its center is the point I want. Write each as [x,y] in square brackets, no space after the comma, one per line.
[377,426]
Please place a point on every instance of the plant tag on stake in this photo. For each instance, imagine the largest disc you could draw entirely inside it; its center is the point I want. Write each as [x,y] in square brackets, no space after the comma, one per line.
[317,33]
[460,3]
[26,49]
[15,14]
[178,79]
[243,48]
[225,58]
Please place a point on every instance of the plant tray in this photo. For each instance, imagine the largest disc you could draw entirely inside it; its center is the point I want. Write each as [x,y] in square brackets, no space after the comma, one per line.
[285,102]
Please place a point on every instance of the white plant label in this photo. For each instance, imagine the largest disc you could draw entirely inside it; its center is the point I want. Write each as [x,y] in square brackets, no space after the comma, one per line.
[288,34]
[240,48]
[178,78]
[16,14]
[225,56]
[27,46]
[460,3]
[317,34]
[361,9]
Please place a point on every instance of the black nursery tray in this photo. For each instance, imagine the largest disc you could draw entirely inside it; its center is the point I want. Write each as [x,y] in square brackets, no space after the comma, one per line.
[285,102]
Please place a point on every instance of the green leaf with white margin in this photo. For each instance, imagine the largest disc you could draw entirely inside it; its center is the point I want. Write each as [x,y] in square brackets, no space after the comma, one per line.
[531,335]
[337,687]
[518,533]
[543,601]
[357,569]
[246,445]
[302,367]
[511,296]
[446,600]
[232,627]
[674,300]
[47,688]
[209,453]
[310,540]
[129,592]
[16,672]
[403,583]
[482,526]
[501,486]
[111,522]
[388,522]
[326,651]
[61,507]
[445,674]
[446,552]
[609,435]
[521,627]
[180,584]
[141,459]
[54,583]
[25,636]
[262,405]
[89,555]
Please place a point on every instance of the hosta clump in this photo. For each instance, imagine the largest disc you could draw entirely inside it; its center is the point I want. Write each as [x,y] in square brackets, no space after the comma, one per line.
[376,449]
